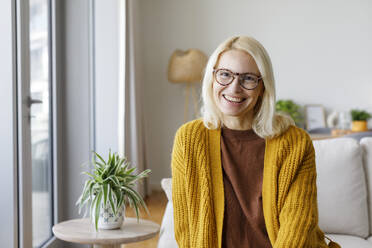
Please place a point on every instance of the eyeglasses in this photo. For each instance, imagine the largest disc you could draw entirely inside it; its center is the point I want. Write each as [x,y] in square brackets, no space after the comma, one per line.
[248,81]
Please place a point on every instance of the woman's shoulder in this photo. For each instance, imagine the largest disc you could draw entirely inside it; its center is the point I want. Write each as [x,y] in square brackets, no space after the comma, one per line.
[192,128]
[292,140]
[294,133]
[293,145]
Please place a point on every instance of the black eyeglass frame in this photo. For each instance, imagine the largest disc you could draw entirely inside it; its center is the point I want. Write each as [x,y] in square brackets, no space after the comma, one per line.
[239,79]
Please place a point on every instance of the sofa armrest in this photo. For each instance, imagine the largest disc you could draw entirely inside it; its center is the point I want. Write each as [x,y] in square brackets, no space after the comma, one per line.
[166,235]
[166,184]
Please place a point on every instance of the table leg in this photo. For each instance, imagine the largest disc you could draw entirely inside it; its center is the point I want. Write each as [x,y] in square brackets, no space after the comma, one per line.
[106,246]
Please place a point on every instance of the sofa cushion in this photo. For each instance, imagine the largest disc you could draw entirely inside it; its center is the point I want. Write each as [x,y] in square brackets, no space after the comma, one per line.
[347,241]
[366,144]
[341,185]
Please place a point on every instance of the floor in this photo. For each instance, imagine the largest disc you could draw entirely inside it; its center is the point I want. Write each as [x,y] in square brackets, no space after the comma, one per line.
[156,204]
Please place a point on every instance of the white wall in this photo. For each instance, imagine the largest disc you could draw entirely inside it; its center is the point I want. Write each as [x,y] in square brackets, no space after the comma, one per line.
[321,53]
[76,140]
[106,20]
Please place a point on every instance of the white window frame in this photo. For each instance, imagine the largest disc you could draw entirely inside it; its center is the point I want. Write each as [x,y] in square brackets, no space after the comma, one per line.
[21,25]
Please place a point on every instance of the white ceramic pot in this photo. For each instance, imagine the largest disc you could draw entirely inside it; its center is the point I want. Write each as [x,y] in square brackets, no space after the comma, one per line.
[107,218]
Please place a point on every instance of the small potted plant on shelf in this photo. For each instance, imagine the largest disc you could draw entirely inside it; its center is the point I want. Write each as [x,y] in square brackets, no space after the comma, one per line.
[292,109]
[359,118]
[109,189]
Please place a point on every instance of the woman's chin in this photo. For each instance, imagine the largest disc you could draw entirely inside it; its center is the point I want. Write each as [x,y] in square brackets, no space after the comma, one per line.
[232,113]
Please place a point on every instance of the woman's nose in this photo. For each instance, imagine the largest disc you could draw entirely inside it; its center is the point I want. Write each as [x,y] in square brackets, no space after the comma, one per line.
[235,85]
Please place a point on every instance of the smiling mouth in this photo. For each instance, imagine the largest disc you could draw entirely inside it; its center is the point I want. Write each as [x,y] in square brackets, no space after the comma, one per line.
[233,99]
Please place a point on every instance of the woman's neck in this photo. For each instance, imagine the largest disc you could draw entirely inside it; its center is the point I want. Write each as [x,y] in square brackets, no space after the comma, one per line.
[237,123]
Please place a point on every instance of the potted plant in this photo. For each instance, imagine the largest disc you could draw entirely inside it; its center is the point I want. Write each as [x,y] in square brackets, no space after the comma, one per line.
[109,189]
[359,118]
[292,109]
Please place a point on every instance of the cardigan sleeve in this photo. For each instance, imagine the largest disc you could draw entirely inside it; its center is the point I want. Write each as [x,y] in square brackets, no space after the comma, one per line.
[181,224]
[298,218]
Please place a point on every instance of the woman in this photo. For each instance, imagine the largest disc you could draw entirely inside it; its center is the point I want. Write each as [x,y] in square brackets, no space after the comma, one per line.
[243,175]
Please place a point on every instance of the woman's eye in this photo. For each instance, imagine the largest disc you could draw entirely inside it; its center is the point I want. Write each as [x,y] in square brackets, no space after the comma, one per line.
[225,74]
[249,78]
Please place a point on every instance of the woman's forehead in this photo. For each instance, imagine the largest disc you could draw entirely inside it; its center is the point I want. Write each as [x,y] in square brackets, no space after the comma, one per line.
[237,61]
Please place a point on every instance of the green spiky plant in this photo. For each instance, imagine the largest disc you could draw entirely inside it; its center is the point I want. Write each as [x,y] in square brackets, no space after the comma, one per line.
[111,183]
[359,115]
[292,109]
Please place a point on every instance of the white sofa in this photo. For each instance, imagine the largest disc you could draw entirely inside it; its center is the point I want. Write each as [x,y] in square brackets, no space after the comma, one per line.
[344,183]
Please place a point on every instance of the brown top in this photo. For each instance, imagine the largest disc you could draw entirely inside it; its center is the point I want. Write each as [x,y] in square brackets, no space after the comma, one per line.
[242,162]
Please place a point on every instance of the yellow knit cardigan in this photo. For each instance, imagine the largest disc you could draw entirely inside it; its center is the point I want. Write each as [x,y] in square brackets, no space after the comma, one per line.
[289,193]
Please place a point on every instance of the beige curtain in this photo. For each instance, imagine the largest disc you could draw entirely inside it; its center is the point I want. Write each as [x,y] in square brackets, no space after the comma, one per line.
[131,119]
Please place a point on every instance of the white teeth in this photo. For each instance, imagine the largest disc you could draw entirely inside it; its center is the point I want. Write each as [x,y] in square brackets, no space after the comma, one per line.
[233,99]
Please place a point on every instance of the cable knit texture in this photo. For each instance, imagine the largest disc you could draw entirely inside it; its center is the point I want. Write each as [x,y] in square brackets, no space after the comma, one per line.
[289,193]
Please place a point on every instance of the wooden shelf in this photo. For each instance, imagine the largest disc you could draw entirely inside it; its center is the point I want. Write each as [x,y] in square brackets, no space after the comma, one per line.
[335,133]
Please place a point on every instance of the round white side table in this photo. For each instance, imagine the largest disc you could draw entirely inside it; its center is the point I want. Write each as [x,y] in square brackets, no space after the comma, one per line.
[82,231]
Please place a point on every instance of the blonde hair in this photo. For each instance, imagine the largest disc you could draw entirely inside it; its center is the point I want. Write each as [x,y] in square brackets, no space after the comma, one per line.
[266,122]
